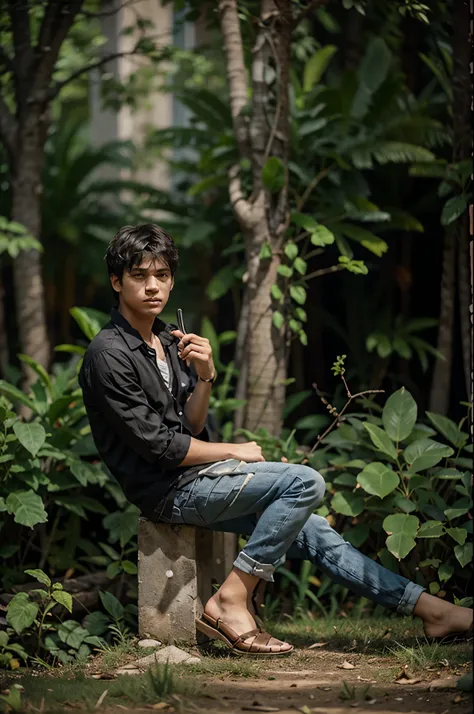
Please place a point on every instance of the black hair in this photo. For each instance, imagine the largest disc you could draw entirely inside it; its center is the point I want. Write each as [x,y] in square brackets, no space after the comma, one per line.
[132,244]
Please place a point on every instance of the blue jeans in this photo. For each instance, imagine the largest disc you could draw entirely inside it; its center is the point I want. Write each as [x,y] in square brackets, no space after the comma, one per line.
[273,503]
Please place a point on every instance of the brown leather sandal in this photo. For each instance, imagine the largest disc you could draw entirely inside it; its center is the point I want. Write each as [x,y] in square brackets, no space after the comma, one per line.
[259,645]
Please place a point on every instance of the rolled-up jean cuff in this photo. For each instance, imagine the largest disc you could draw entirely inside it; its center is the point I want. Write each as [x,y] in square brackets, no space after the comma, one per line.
[410,598]
[262,570]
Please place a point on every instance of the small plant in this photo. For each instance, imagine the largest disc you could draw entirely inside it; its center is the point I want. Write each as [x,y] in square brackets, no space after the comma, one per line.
[349,693]
[117,620]
[161,680]
[28,615]
[10,652]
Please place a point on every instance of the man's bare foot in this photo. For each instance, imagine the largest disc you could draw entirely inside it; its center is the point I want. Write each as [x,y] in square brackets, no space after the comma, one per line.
[230,610]
[442,618]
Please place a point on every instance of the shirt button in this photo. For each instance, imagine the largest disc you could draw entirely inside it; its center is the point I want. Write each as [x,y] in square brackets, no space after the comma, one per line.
[180,413]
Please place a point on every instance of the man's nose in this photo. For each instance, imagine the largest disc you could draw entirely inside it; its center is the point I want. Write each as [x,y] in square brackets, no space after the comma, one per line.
[152,284]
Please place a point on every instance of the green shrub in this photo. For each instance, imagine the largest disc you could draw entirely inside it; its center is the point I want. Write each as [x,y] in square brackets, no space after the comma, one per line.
[397,487]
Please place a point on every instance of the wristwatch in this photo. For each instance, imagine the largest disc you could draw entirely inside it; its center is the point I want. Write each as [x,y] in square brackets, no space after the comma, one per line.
[211,380]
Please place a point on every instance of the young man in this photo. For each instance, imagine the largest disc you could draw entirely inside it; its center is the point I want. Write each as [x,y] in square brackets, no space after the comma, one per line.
[148,413]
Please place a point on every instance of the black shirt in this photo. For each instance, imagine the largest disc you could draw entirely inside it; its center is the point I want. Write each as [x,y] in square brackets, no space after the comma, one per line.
[137,423]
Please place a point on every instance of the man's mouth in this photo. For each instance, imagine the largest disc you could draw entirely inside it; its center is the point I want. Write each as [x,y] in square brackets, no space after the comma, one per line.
[154,300]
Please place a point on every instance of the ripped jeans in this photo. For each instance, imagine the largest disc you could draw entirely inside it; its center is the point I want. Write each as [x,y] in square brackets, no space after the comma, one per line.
[273,503]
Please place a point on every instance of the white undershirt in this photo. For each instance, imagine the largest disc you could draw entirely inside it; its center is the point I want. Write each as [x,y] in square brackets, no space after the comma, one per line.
[165,370]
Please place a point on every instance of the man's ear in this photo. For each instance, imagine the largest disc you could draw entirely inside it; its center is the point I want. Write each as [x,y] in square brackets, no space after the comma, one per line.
[116,283]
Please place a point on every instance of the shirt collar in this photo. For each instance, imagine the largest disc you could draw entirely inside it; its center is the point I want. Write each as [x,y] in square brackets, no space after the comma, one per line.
[133,338]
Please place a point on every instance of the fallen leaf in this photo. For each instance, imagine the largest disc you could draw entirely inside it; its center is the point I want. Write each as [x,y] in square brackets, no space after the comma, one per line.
[317,644]
[458,698]
[325,689]
[101,698]
[260,708]
[304,709]
[103,675]
[163,705]
[346,665]
[404,680]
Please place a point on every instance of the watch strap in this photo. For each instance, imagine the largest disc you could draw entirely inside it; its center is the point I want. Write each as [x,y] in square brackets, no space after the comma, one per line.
[209,381]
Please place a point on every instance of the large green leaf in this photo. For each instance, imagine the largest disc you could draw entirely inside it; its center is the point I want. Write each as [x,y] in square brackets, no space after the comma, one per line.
[38,368]
[21,612]
[402,529]
[425,453]
[27,508]
[375,64]
[220,283]
[40,576]
[463,553]
[453,208]
[322,236]
[381,440]
[16,395]
[431,529]
[399,415]
[316,66]
[448,429]
[63,598]
[378,479]
[30,435]
[273,174]
[457,534]
[89,320]
[349,504]
[113,606]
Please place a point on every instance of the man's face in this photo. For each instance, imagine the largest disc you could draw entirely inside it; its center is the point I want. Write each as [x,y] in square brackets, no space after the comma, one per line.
[146,288]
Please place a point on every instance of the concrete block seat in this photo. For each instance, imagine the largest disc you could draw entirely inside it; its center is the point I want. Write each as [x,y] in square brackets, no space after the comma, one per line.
[177,566]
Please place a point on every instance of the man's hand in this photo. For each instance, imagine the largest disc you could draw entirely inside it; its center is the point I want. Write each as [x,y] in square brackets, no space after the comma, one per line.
[197,350]
[250,452]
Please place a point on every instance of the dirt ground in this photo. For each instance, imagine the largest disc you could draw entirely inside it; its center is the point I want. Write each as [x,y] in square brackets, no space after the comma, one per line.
[363,667]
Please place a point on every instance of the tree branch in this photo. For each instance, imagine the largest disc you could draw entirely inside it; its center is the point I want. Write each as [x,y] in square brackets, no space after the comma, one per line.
[236,71]
[108,13]
[57,87]
[339,415]
[20,27]
[324,271]
[57,21]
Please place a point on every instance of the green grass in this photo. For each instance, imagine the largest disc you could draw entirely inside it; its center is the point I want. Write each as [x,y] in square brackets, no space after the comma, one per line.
[155,685]
[424,655]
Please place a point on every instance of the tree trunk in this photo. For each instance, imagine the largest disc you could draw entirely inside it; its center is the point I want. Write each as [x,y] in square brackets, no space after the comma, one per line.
[4,357]
[267,364]
[27,271]
[441,385]
[456,234]
[464,300]
[262,216]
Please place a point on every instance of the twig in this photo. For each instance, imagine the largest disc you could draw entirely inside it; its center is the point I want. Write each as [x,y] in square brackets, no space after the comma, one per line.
[338,419]
[325,271]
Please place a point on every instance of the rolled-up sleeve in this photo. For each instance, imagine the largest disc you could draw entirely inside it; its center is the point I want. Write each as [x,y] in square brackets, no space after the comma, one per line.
[119,396]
